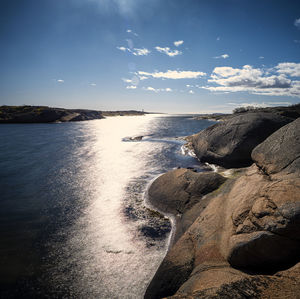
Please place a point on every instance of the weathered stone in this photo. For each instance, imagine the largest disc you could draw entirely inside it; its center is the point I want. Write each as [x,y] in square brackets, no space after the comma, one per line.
[230,143]
[280,151]
[177,190]
[249,224]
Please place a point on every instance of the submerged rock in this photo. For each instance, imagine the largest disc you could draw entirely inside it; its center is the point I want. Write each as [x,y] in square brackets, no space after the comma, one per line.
[136,138]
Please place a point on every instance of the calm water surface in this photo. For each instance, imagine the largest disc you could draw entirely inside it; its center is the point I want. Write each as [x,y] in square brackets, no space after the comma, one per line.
[73,219]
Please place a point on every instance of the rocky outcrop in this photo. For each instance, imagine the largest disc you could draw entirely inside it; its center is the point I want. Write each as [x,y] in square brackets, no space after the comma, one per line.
[230,143]
[180,192]
[281,151]
[245,239]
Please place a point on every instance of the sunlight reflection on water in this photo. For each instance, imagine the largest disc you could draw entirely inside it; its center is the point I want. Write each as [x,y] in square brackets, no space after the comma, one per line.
[72,195]
[110,257]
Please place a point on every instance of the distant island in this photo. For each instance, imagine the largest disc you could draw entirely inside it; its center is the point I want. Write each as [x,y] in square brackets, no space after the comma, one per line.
[45,114]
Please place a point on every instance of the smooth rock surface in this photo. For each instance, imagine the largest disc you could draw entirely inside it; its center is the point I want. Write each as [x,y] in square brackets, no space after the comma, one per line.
[281,151]
[245,240]
[181,193]
[230,143]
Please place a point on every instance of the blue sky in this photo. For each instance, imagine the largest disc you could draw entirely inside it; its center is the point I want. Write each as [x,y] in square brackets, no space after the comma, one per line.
[173,56]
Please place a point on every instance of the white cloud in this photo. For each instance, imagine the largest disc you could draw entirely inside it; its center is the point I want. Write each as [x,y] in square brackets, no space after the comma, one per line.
[93,84]
[127,80]
[297,23]
[131,87]
[173,74]
[122,49]
[191,92]
[261,57]
[289,68]
[60,81]
[140,52]
[135,51]
[149,88]
[273,82]
[130,31]
[143,77]
[224,56]
[218,38]
[178,43]
[168,51]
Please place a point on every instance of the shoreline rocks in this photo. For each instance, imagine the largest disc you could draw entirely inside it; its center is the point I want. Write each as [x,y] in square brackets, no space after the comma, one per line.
[230,143]
[237,237]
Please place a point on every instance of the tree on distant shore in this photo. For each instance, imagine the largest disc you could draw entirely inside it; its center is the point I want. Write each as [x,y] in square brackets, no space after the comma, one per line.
[244,109]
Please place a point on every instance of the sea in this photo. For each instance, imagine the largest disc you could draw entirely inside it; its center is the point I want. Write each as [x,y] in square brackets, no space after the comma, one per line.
[74,221]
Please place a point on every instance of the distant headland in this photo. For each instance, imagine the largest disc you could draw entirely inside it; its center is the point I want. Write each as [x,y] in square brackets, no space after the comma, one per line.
[45,114]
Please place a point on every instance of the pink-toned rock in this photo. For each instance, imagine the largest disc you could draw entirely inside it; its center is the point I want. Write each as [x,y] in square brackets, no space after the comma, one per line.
[245,242]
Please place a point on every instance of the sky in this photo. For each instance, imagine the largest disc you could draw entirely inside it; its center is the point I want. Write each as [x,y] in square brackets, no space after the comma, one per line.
[176,56]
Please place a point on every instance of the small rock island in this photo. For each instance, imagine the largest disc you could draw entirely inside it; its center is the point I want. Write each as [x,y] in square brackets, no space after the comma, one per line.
[237,235]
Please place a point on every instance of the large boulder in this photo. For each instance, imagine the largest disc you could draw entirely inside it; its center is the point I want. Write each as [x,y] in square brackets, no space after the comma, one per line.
[281,151]
[230,143]
[228,283]
[246,241]
[180,192]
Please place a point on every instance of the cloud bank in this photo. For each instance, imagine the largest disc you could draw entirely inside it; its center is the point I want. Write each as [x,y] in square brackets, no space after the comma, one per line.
[273,82]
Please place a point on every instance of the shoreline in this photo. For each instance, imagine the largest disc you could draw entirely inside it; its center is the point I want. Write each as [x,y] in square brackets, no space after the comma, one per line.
[45,114]
[148,204]
[225,224]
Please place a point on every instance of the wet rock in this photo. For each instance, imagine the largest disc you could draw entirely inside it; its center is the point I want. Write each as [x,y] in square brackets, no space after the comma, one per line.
[137,138]
[158,232]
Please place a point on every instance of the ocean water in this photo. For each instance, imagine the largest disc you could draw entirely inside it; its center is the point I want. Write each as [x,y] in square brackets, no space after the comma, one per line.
[73,219]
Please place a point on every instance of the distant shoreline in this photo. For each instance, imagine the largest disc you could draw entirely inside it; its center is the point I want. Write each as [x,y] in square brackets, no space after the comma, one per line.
[45,114]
